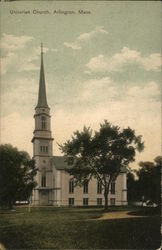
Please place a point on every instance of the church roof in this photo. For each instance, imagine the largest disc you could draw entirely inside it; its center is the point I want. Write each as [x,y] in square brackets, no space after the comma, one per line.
[42,100]
[61,164]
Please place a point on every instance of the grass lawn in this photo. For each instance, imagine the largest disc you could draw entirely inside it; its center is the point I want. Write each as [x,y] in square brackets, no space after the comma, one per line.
[71,228]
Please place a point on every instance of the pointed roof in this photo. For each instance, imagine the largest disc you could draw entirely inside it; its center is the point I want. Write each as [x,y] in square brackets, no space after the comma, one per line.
[42,100]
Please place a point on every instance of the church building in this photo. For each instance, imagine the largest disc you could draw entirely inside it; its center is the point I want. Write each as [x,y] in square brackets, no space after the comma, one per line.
[55,186]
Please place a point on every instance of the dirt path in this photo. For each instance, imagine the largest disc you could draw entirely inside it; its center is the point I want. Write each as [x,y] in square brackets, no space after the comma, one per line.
[117,215]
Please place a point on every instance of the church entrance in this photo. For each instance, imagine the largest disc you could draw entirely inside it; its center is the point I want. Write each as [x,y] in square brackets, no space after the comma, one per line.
[44,197]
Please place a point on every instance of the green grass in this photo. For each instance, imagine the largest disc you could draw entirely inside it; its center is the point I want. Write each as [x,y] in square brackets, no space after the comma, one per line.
[70,228]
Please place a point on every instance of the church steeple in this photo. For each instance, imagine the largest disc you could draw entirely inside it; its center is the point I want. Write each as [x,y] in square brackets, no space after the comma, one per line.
[42,100]
[43,146]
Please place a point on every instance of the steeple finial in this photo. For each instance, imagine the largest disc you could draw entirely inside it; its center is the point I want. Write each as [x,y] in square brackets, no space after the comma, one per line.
[42,100]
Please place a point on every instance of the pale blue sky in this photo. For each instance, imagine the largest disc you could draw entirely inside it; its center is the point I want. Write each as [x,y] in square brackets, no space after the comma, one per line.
[103,65]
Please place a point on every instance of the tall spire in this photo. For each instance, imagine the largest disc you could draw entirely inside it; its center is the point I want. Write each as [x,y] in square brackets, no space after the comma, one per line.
[42,100]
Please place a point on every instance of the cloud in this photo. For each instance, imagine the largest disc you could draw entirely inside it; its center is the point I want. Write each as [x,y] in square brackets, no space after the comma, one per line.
[20,61]
[12,43]
[91,34]
[28,62]
[97,90]
[151,90]
[74,46]
[82,38]
[14,62]
[152,62]
[19,57]
[98,64]
[20,95]
[16,56]
[126,56]
[6,62]
[139,109]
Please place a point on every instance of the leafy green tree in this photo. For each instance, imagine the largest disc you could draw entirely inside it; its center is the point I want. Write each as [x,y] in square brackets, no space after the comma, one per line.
[149,180]
[17,173]
[132,187]
[101,155]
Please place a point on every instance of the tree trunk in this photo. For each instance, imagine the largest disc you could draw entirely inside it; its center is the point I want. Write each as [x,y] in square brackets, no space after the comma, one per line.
[106,198]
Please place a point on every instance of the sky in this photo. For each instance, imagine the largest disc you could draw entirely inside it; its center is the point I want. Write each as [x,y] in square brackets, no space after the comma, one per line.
[104,64]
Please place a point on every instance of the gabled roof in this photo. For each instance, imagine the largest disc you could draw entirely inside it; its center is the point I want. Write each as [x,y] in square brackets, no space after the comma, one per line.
[61,164]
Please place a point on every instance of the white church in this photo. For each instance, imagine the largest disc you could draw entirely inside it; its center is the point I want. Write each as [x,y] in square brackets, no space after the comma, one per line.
[55,186]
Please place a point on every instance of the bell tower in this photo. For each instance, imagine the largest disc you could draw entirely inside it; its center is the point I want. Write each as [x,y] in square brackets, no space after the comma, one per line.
[43,145]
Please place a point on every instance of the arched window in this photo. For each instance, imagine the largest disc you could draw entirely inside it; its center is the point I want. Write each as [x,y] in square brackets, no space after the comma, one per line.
[71,186]
[85,187]
[113,187]
[43,182]
[43,122]
[99,187]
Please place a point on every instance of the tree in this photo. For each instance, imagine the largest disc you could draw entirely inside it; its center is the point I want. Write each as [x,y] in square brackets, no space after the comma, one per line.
[17,173]
[133,193]
[101,155]
[131,187]
[149,178]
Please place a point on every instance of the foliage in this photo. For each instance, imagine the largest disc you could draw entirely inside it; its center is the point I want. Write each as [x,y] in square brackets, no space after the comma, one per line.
[102,155]
[17,173]
[146,185]
[149,180]
[132,187]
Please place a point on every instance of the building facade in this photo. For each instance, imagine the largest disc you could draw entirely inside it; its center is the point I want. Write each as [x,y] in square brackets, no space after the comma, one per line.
[54,185]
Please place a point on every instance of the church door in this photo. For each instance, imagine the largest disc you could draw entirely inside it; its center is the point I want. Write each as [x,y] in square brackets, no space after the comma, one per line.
[44,197]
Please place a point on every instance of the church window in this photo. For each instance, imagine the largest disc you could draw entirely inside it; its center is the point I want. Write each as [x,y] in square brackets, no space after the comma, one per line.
[71,201]
[113,187]
[71,186]
[85,187]
[43,120]
[99,187]
[43,180]
[85,201]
